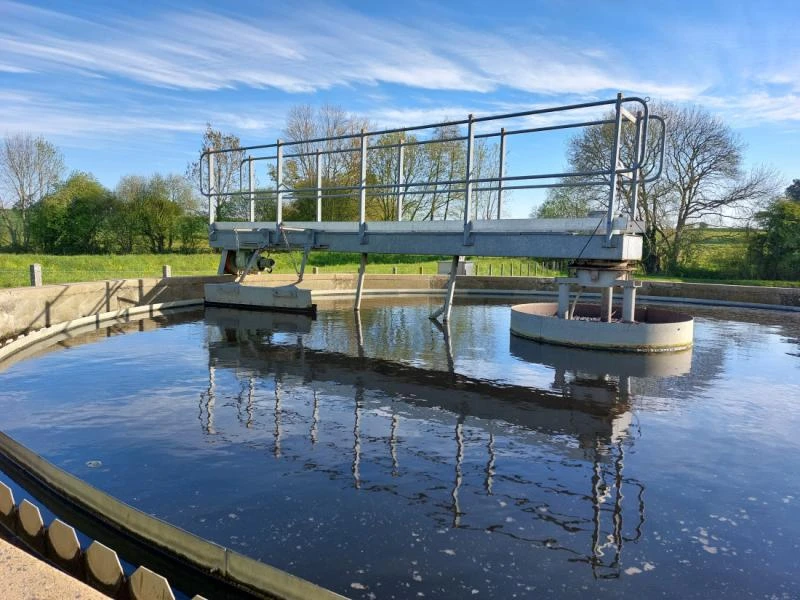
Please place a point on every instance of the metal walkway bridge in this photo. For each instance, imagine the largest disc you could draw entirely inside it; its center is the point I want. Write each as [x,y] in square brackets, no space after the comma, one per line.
[607,243]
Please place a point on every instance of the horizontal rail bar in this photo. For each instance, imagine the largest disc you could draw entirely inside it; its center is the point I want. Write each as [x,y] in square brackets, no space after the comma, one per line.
[448,182]
[461,138]
[513,115]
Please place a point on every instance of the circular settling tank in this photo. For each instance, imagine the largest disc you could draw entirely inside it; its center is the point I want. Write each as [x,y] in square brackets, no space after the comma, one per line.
[653,329]
[382,456]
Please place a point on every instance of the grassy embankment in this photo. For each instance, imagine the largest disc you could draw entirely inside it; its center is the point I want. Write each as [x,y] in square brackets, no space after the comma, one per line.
[718,256]
[14,268]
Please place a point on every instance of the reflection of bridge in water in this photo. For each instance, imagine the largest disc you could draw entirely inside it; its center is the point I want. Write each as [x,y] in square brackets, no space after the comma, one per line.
[583,419]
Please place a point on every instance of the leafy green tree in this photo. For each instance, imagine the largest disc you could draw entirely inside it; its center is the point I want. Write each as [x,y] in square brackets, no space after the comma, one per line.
[124,219]
[564,202]
[775,249]
[793,191]
[384,160]
[150,209]
[158,216]
[192,232]
[74,218]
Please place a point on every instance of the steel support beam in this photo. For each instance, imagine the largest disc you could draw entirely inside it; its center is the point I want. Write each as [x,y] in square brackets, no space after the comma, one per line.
[628,304]
[362,269]
[606,303]
[444,311]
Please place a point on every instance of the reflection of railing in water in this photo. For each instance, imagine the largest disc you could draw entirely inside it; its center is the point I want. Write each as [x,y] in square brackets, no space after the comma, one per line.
[601,567]
[564,409]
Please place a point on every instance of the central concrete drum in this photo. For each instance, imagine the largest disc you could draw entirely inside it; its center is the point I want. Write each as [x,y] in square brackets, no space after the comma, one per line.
[652,330]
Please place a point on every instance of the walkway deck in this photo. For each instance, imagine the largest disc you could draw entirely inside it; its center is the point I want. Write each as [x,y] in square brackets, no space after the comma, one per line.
[584,238]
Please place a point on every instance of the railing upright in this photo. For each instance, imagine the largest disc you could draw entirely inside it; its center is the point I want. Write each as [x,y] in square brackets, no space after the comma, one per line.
[279,184]
[251,186]
[614,169]
[638,142]
[362,187]
[468,186]
[501,174]
[400,180]
[212,198]
[318,158]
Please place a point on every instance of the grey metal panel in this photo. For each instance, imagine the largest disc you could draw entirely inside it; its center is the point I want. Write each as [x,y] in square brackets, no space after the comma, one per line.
[585,224]
[442,242]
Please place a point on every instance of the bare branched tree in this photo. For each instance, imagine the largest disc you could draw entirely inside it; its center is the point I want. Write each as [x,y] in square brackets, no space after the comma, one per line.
[339,159]
[439,157]
[384,160]
[30,168]
[228,203]
[702,179]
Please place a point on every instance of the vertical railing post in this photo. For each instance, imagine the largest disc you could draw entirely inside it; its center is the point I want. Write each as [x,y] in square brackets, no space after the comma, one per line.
[400,181]
[612,195]
[362,191]
[468,181]
[362,185]
[279,185]
[502,172]
[318,158]
[251,185]
[212,199]
[637,167]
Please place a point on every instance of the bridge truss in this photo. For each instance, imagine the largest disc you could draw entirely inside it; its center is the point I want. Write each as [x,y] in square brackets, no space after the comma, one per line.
[601,247]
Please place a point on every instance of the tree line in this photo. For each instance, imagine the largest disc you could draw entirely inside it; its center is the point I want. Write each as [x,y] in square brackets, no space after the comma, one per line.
[703,183]
[44,211]
[774,249]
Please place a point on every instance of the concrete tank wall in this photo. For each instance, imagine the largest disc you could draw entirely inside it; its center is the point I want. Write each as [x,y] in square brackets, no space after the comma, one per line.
[31,308]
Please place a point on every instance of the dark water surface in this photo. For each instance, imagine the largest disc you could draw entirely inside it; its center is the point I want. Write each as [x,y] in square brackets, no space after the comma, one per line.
[386,458]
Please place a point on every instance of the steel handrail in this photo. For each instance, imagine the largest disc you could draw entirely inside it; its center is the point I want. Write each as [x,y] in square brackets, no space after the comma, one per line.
[400,188]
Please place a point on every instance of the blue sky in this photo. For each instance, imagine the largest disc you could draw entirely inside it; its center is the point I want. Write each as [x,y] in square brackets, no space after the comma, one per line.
[124,87]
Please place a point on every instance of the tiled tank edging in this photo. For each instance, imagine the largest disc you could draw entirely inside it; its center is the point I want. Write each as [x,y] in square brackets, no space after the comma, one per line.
[212,558]
[98,565]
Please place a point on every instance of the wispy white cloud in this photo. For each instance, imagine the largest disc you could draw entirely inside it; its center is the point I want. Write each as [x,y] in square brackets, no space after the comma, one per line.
[748,110]
[91,124]
[106,77]
[329,46]
[4,68]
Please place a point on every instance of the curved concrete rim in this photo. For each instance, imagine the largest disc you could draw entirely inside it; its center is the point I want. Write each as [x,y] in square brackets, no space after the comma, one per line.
[257,577]
[655,329]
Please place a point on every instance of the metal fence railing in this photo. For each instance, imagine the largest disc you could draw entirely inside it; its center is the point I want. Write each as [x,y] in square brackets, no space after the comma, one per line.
[219,178]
